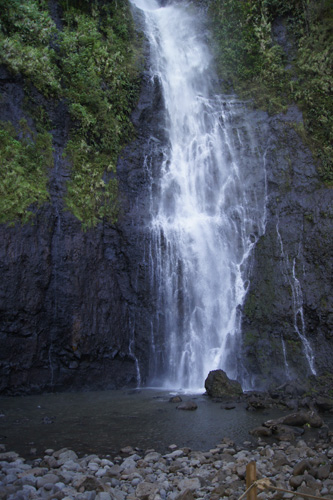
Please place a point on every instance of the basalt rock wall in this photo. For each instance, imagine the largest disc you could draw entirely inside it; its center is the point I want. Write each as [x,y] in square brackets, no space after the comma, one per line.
[288,311]
[74,304]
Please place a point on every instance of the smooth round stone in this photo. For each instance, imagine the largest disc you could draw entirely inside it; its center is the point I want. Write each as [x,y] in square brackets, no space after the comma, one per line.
[103,495]
[10,478]
[93,466]
[105,462]
[59,486]
[48,486]
[101,472]
[29,479]
[48,478]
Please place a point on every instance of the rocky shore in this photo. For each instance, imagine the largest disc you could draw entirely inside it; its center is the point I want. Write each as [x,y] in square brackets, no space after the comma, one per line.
[293,452]
[179,474]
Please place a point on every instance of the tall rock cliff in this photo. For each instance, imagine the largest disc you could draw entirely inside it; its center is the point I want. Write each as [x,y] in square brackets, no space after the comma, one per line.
[76,306]
[287,316]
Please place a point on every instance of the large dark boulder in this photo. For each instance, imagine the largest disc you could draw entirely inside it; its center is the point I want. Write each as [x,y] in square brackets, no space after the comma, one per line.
[218,385]
[297,419]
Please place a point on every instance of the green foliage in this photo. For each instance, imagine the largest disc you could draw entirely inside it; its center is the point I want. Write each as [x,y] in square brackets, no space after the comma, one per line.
[314,90]
[90,197]
[94,66]
[25,159]
[26,30]
[251,61]
[98,66]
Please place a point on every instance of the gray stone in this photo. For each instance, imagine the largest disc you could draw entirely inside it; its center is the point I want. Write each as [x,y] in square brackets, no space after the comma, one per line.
[101,472]
[29,479]
[175,399]
[127,450]
[128,464]
[296,481]
[92,483]
[117,494]
[192,484]
[261,431]
[51,461]
[144,490]
[106,461]
[114,471]
[301,467]
[172,447]
[323,472]
[153,456]
[60,486]
[324,403]
[187,406]
[174,454]
[185,495]
[66,456]
[136,481]
[93,466]
[10,478]
[48,478]
[103,495]
[48,486]
[8,456]
[57,453]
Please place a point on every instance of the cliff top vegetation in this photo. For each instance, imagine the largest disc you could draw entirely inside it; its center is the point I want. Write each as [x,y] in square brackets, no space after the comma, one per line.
[88,59]
[279,53]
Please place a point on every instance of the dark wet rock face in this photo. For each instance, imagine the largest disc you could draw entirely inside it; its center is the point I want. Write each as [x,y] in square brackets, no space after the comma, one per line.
[74,305]
[290,293]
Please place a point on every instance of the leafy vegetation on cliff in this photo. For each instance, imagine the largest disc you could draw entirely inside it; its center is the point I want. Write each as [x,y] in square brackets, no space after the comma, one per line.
[24,161]
[92,64]
[280,52]
[101,84]
[273,51]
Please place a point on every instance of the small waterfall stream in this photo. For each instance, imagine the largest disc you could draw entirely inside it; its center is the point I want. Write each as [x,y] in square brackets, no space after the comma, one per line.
[209,209]
[289,273]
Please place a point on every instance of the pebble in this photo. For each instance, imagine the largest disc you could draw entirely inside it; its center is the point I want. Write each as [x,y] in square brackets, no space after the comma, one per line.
[181,474]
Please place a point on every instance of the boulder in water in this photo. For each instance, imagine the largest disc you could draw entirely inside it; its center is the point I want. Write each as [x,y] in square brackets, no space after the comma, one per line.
[219,385]
[175,399]
[187,405]
[324,403]
[261,431]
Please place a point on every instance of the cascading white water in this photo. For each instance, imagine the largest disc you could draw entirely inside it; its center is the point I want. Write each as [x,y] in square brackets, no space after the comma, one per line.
[289,272]
[209,211]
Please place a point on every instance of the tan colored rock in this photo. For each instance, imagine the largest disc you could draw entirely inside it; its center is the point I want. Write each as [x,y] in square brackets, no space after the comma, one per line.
[146,490]
[185,495]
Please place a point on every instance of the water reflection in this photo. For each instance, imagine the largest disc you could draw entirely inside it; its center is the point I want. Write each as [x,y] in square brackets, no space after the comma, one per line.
[102,422]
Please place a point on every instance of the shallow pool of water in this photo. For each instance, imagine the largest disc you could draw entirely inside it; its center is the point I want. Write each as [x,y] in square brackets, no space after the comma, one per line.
[102,422]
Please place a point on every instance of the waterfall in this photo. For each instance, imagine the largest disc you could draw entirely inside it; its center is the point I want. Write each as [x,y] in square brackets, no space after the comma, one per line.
[289,273]
[209,209]
[286,364]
